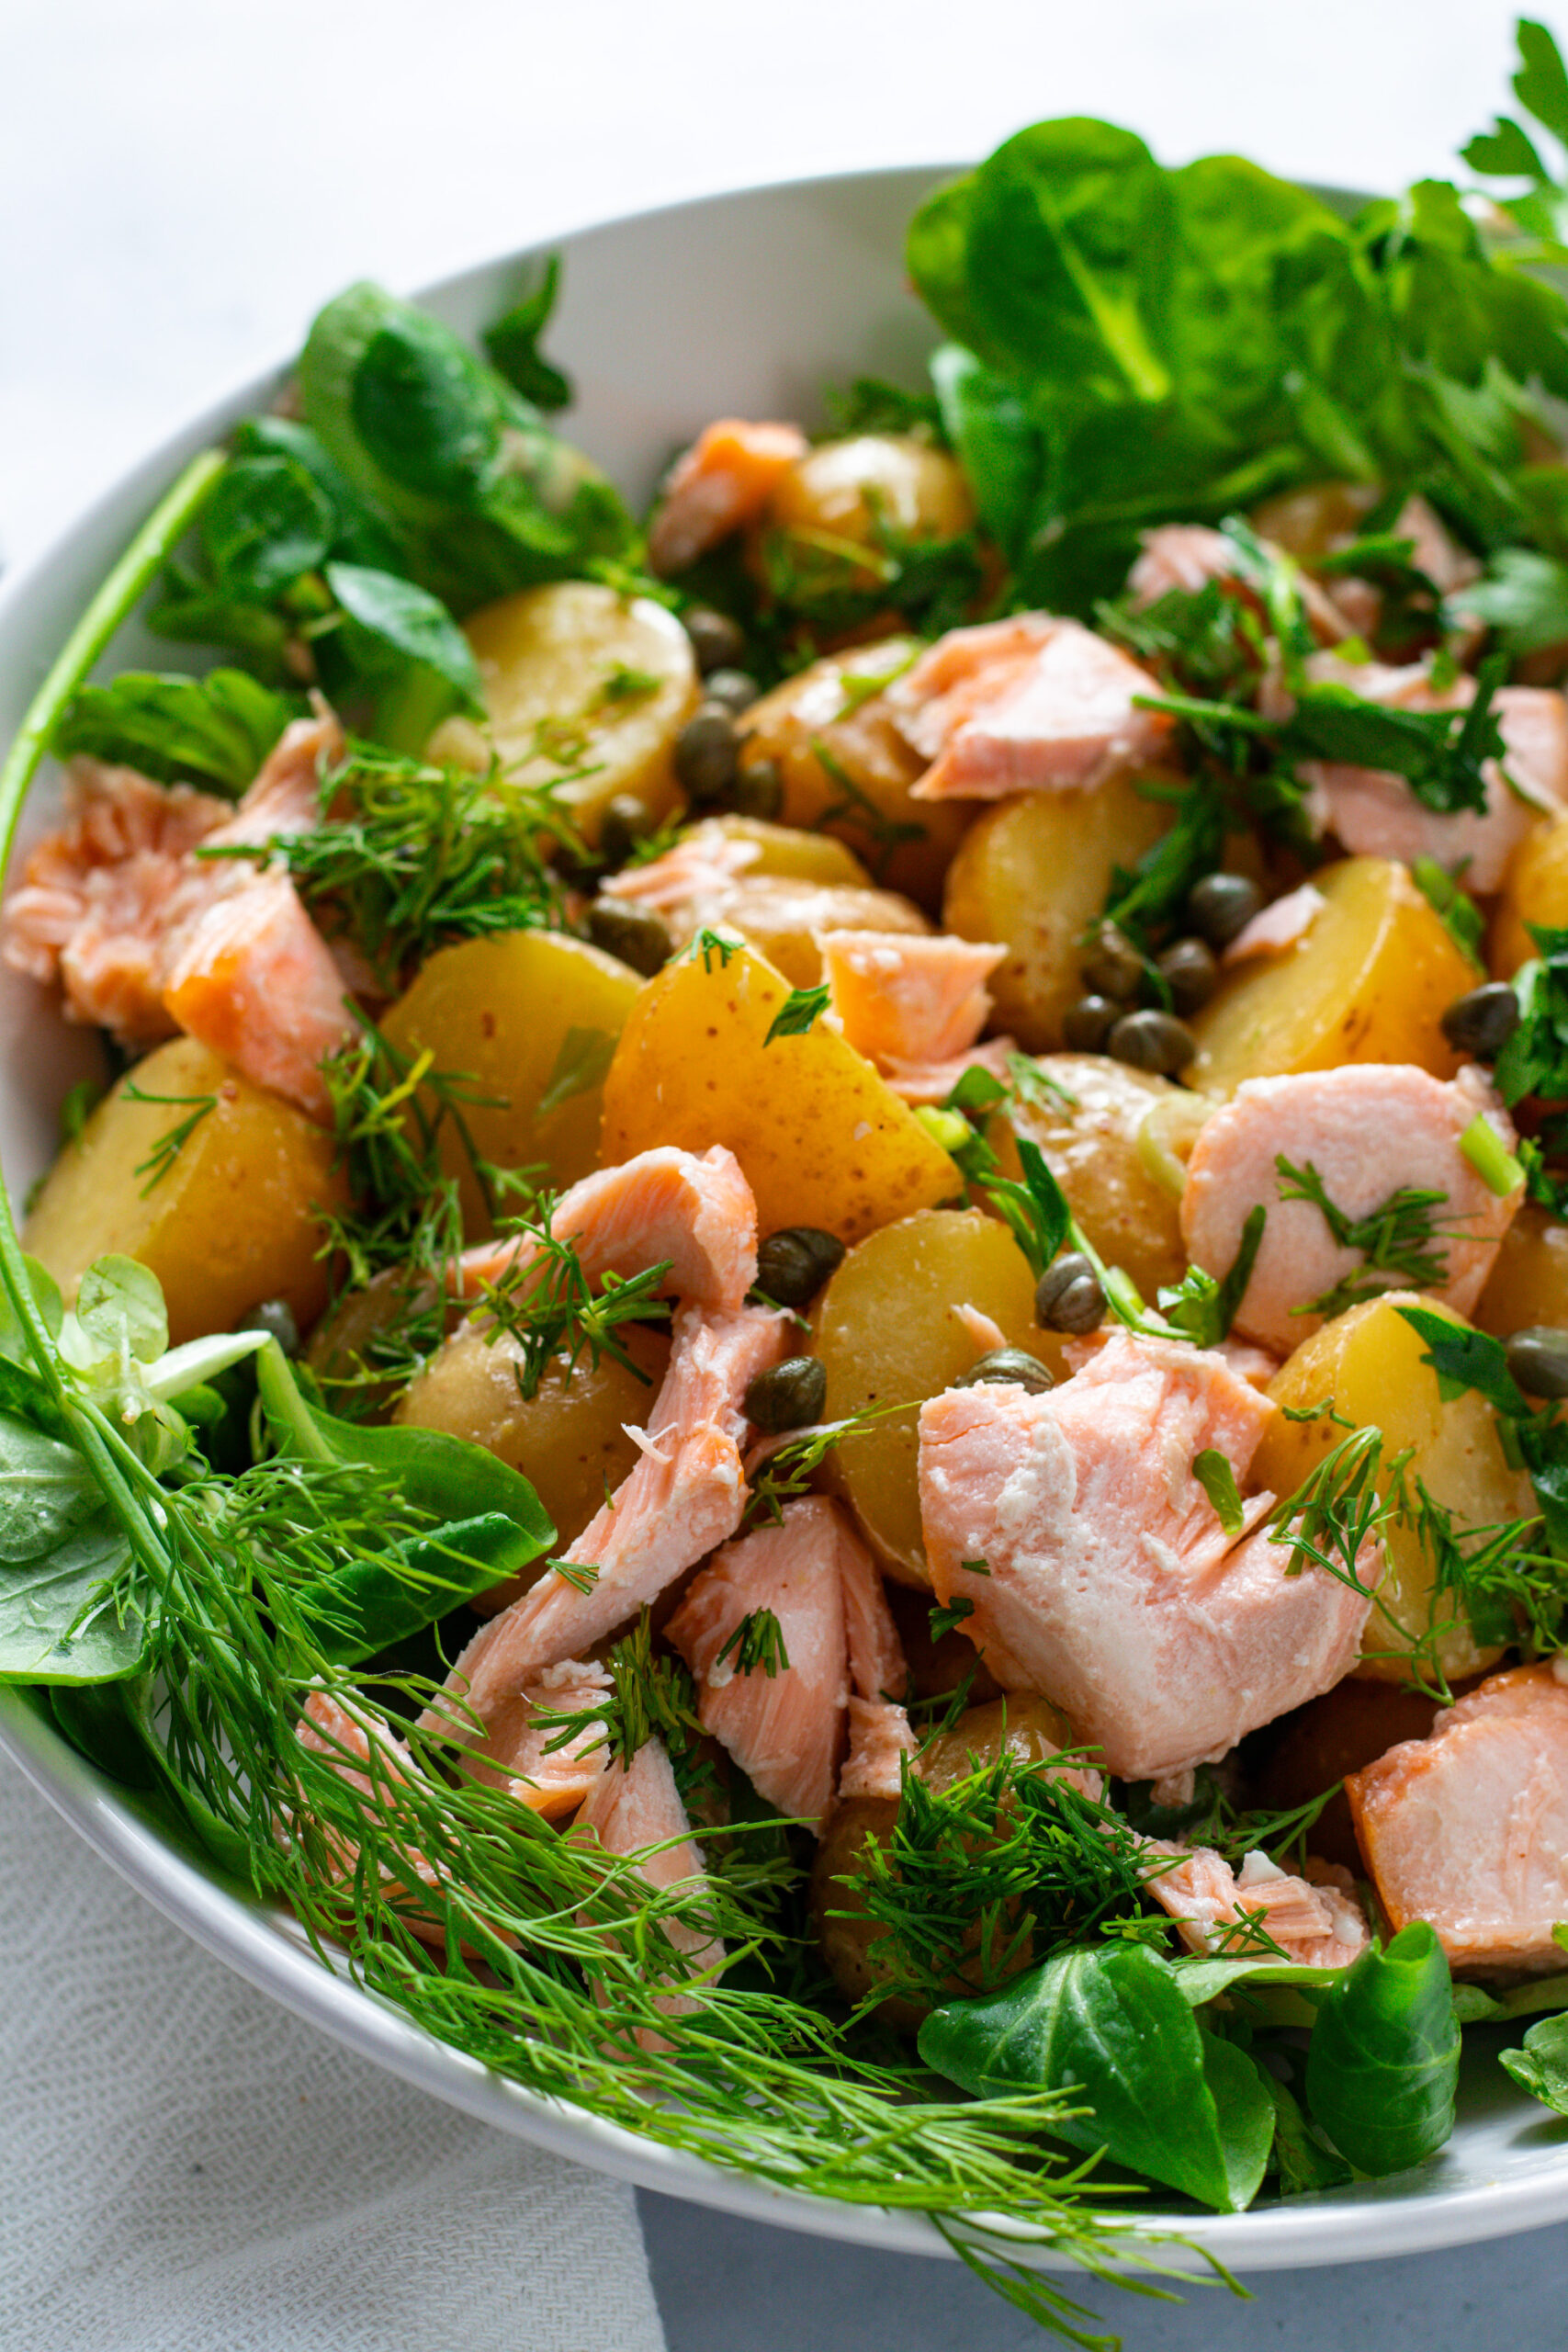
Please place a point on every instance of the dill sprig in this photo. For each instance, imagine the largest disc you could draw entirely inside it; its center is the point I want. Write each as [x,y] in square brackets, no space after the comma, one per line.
[1398,1242]
[651,1693]
[167,1148]
[756,1645]
[545,1303]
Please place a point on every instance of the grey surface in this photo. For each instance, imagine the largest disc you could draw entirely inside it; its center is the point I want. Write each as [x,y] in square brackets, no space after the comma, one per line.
[726,2286]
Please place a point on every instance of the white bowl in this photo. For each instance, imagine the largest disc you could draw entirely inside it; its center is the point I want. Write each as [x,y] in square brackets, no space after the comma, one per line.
[747,304]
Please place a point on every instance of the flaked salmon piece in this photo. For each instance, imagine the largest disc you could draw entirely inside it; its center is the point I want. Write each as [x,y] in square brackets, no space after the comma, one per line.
[878,1669]
[1108,1584]
[703,861]
[285,799]
[982,1329]
[685,1497]
[1255,1366]
[1318,1922]
[880,1738]
[695,1210]
[520,1754]
[905,999]
[254,978]
[1434,549]
[634,1808]
[1468,1828]
[1186,556]
[1370,1129]
[917,1082]
[1277,926]
[785,1729]
[1034,704]
[1375,814]
[721,482]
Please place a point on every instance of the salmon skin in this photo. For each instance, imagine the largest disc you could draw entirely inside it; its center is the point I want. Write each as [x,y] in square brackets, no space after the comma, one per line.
[1110,1585]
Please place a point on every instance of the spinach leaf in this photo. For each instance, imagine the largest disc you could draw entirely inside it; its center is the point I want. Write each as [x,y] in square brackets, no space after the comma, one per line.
[219,728]
[1303,2159]
[373,1603]
[60,1551]
[1165,2096]
[408,649]
[266,524]
[1383,2067]
[999,443]
[513,344]
[1541,2067]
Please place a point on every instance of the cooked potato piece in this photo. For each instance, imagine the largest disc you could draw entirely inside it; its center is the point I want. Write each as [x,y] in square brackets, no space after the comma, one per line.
[529,1019]
[1368,1361]
[1033,874]
[568,1438]
[860,790]
[1534,890]
[1528,1283]
[1307,523]
[339,1348]
[1100,1152]
[870,487]
[231,1221]
[885,1330]
[788,852]
[1028,1730]
[576,677]
[1369,982]
[823,1139]
[779,918]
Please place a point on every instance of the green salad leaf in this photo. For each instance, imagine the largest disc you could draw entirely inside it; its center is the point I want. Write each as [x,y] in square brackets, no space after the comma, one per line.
[1383,2067]
[216,730]
[1540,2067]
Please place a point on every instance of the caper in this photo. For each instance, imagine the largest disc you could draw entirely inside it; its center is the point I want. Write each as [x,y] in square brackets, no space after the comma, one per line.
[1110,965]
[1087,1024]
[1068,1296]
[1156,1042]
[733,690]
[1538,1360]
[1221,906]
[716,639]
[707,755]
[789,1397]
[793,1263]
[1481,1023]
[622,826]
[1191,973]
[275,1317]
[1010,1367]
[759,790]
[637,935]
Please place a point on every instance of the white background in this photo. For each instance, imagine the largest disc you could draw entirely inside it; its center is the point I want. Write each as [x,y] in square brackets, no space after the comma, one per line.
[183,181]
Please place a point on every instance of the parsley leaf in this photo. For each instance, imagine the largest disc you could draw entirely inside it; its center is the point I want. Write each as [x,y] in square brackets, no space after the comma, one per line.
[1215,1474]
[798,1013]
[1204,1306]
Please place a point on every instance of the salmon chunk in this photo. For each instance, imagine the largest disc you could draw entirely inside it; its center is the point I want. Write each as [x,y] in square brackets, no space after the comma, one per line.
[903,1000]
[723,481]
[785,1729]
[702,862]
[1097,1569]
[1277,926]
[880,1739]
[1244,1912]
[1371,1129]
[685,1495]
[1468,1828]
[528,1757]
[635,1811]
[1186,556]
[1375,814]
[694,1209]
[1029,705]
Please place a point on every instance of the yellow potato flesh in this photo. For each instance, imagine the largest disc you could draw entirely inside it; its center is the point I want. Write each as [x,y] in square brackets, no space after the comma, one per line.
[1368,982]
[782,852]
[501,1012]
[1309,523]
[846,769]
[1095,1150]
[887,1333]
[873,486]
[233,1220]
[586,685]
[1368,1361]
[1534,890]
[780,918]
[568,1438]
[1529,1282]
[822,1138]
[1032,873]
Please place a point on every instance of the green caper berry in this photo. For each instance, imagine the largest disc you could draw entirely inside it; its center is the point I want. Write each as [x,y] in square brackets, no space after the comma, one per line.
[277,1318]
[789,1397]
[1087,1024]
[733,690]
[1538,1360]
[1482,1022]
[1191,973]
[758,791]
[635,934]
[1068,1296]
[716,639]
[1156,1042]
[1221,906]
[793,1263]
[1007,1367]
[707,752]
[622,826]
[1110,965]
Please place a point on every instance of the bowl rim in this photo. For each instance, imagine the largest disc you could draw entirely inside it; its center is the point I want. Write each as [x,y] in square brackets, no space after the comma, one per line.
[266,1947]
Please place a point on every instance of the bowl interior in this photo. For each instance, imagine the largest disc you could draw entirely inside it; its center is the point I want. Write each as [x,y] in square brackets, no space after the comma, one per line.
[750,304]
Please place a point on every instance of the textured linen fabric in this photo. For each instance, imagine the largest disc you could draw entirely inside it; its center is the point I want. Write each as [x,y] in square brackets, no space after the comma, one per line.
[184,2167]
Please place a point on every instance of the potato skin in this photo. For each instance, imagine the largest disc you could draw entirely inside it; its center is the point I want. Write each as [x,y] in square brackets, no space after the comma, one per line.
[1092,1149]
[1370,1361]
[498,1008]
[233,1222]
[823,1139]
[905,844]
[549,659]
[884,1331]
[1369,982]
[1032,873]
[1528,1283]
[568,1440]
[1535,890]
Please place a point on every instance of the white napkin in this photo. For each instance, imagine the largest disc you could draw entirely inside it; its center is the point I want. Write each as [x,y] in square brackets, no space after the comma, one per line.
[184,2167]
